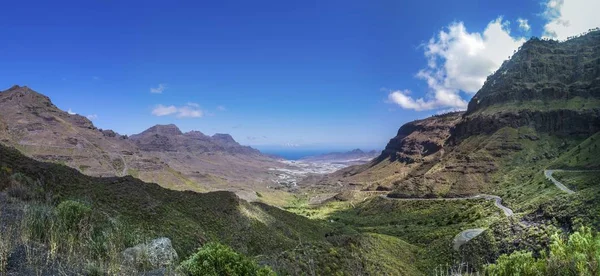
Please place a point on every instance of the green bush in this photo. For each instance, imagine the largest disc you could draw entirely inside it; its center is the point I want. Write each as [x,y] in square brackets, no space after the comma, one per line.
[577,255]
[38,222]
[71,213]
[215,259]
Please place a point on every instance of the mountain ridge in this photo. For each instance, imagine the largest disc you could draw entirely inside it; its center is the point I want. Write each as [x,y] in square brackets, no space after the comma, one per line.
[547,89]
[163,153]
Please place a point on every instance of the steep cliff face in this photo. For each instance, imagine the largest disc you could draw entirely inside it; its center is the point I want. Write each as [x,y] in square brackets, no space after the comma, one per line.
[416,147]
[419,139]
[553,87]
[545,71]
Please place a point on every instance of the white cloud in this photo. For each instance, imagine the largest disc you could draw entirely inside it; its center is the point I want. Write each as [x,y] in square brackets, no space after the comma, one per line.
[71,112]
[221,108]
[523,24]
[459,61]
[161,110]
[190,110]
[402,99]
[92,117]
[570,17]
[159,89]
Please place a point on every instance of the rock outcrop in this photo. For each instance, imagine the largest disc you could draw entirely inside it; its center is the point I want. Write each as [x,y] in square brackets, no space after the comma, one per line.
[418,139]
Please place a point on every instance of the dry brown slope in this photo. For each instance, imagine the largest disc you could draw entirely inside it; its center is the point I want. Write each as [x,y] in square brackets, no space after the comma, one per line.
[30,122]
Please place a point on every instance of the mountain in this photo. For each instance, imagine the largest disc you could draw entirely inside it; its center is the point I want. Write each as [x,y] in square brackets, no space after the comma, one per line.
[537,116]
[536,106]
[170,138]
[30,122]
[356,156]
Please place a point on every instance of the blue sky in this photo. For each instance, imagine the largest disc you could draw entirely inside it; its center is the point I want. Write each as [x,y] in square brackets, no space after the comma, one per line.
[330,74]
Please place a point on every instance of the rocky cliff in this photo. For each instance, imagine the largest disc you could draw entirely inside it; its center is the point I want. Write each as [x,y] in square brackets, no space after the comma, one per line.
[553,87]
[419,139]
[536,106]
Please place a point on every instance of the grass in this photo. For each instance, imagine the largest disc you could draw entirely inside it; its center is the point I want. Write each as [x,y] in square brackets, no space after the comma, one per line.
[585,155]
[363,235]
[423,228]
[290,243]
[579,180]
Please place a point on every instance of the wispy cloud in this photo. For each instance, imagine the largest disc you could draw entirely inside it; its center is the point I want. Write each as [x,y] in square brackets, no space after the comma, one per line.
[159,89]
[71,112]
[96,78]
[92,117]
[190,110]
[221,108]
[523,24]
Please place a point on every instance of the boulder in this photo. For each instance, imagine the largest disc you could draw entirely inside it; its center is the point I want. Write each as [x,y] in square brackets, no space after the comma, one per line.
[158,253]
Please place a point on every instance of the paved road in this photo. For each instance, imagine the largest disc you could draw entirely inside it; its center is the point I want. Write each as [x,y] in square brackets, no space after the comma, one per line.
[466,235]
[548,174]
[497,201]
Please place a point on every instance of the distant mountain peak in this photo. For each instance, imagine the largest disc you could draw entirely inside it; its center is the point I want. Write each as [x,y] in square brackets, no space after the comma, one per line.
[356,151]
[224,138]
[195,134]
[168,130]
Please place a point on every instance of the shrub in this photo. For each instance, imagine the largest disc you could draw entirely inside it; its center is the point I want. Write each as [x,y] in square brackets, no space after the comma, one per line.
[38,221]
[577,255]
[216,259]
[71,213]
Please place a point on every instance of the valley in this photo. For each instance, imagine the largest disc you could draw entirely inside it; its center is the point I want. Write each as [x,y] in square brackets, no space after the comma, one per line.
[456,193]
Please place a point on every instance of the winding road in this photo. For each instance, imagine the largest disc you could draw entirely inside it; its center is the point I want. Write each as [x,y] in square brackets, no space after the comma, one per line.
[466,235]
[497,201]
[548,174]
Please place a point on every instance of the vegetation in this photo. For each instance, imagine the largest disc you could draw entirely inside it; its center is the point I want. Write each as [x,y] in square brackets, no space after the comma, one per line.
[577,255]
[215,259]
